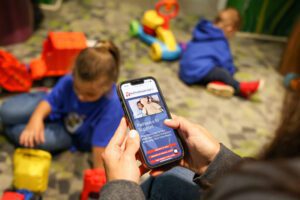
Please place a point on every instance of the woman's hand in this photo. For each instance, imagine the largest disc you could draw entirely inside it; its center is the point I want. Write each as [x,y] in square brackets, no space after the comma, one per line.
[120,155]
[33,133]
[202,146]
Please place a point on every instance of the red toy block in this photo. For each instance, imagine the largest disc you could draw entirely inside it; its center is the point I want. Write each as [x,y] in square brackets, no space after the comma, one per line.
[12,196]
[94,179]
[14,75]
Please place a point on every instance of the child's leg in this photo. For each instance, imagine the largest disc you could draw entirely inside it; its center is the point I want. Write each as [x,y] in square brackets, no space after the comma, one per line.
[244,89]
[18,109]
[222,75]
[56,137]
[97,159]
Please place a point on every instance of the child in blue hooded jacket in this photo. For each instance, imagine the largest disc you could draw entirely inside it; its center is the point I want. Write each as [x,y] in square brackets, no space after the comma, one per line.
[207,59]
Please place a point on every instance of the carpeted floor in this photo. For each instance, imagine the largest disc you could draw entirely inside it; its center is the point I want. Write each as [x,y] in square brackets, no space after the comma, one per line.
[244,126]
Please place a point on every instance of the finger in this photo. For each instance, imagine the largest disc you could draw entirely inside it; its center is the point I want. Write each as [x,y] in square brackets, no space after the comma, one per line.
[172,123]
[124,143]
[183,163]
[36,138]
[119,135]
[26,139]
[143,169]
[156,172]
[139,157]
[132,143]
[31,140]
[179,123]
[174,116]
[160,170]
[21,139]
[42,137]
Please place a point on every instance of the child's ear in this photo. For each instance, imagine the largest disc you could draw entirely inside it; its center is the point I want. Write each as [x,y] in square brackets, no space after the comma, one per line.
[232,29]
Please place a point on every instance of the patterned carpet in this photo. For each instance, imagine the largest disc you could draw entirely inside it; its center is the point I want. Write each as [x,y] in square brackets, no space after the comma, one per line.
[244,126]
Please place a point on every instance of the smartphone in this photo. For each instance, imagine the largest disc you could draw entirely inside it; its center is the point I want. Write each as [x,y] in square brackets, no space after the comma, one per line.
[146,110]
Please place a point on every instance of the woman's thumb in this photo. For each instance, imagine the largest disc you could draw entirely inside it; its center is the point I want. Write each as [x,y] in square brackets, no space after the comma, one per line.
[132,143]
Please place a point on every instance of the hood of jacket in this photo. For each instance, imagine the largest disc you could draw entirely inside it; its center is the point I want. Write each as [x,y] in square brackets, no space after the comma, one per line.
[205,30]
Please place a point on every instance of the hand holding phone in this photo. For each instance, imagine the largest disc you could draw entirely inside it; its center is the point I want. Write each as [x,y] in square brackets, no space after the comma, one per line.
[119,155]
[146,110]
[202,147]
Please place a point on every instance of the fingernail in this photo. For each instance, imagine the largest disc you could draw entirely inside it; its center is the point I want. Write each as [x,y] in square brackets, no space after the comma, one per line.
[168,120]
[133,133]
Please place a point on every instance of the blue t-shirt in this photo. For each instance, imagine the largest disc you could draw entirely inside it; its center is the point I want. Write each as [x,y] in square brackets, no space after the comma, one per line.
[89,123]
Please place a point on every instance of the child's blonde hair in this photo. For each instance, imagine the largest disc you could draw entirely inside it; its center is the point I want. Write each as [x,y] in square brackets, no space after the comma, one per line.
[236,17]
[100,61]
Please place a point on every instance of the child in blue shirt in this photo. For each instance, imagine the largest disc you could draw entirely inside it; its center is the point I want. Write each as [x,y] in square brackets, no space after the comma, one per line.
[82,110]
[207,59]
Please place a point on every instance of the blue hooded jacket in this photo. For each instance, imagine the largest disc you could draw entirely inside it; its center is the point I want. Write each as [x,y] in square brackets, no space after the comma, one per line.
[208,49]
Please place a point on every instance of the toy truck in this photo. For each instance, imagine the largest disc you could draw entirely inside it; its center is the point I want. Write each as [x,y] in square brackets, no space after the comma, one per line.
[59,52]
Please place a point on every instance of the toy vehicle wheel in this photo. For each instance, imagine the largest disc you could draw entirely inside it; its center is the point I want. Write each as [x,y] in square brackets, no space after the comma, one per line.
[49,81]
[156,52]
[134,28]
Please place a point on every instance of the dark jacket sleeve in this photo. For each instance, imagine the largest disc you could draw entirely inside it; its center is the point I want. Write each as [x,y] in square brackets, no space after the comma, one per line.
[222,163]
[121,190]
[268,180]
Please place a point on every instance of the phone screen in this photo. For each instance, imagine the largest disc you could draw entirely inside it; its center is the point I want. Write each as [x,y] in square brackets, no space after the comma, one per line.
[148,111]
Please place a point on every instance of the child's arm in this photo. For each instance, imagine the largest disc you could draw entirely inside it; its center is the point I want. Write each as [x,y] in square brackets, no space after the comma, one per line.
[34,131]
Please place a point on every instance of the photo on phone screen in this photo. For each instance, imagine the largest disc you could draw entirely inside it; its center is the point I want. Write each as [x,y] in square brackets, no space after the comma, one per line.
[145,106]
[147,112]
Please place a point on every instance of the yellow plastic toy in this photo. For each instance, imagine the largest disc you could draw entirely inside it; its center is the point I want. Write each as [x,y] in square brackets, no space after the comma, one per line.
[155,31]
[152,19]
[31,169]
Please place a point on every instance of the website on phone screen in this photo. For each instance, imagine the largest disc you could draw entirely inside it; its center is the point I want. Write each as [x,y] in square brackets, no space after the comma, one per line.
[148,113]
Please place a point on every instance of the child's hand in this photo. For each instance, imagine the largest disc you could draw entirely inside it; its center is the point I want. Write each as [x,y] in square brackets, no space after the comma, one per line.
[33,134]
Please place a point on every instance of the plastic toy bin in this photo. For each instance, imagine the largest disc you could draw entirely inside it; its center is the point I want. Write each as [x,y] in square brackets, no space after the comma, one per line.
[31,169]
